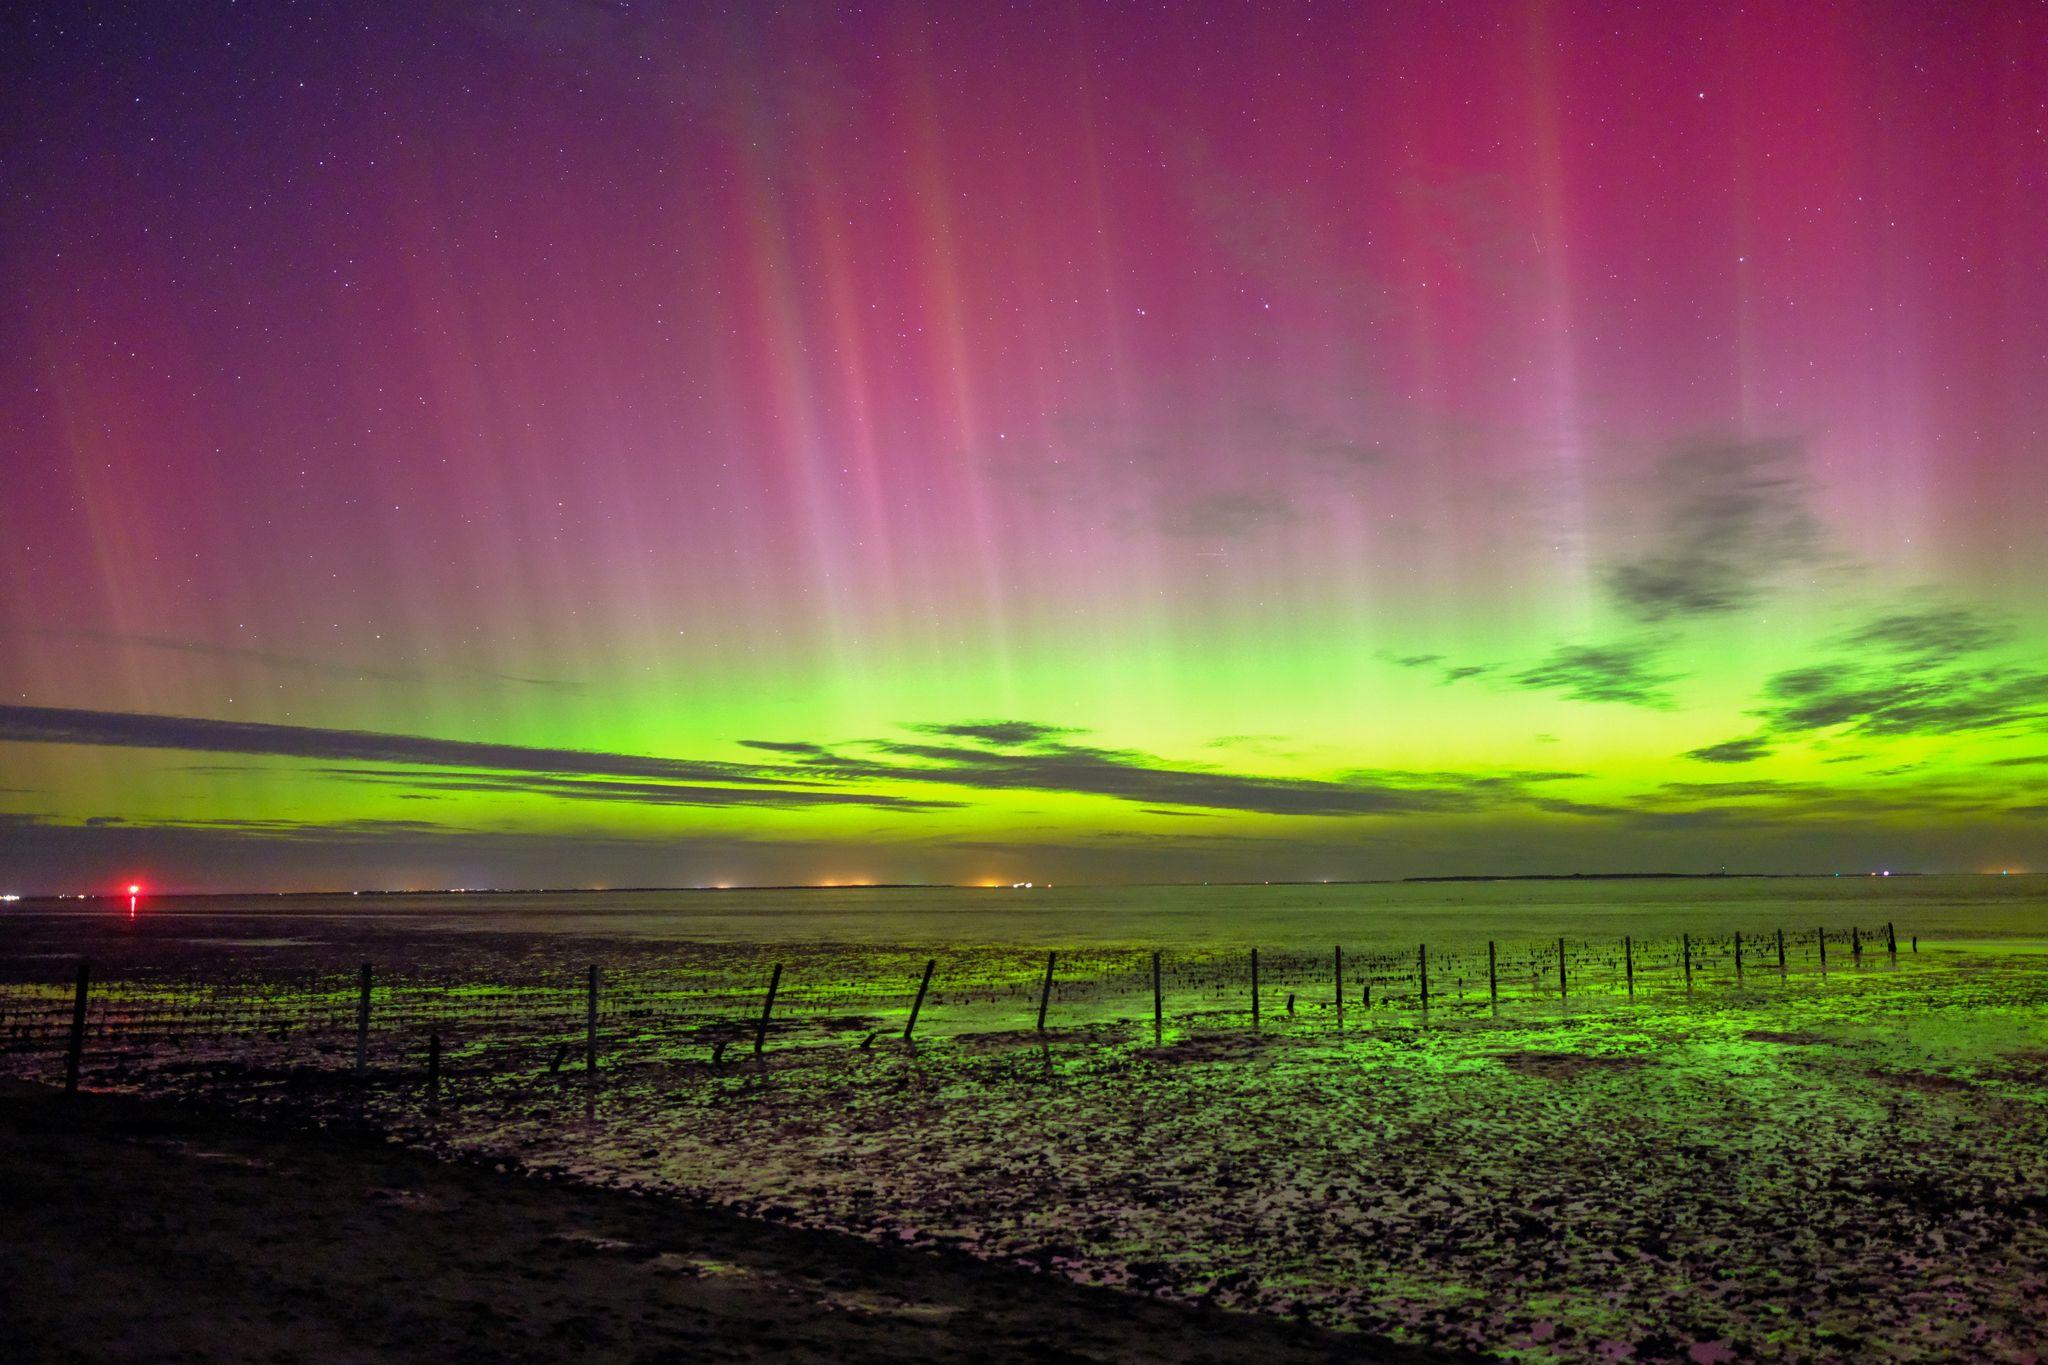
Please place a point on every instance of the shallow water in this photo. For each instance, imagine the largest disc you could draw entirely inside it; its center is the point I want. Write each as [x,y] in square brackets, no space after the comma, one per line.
[1363,916]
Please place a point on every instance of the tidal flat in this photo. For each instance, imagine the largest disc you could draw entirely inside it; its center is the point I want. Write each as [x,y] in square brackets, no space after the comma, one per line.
[1844,1161]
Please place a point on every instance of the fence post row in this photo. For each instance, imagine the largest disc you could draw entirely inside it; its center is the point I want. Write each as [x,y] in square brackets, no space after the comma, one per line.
[80,1006]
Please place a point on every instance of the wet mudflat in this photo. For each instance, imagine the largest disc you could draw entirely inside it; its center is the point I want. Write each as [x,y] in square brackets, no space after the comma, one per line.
[1843,1165]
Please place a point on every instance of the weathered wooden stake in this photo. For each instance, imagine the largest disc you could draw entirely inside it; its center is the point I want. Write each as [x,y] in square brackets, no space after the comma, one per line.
[1628,963]
[1340,985]
[1688,960]
[1916,943]
[1738,957]
[590,1025]
[1820,937]
[1891,940]
[1255,988]
[918,1004]
[363,1023]
[767,1008]
[1045,992]
[1781,952]
[1856,945]
[1158,1004]
[1422,971]
[1562,993]
[1492,975]
[74,1056]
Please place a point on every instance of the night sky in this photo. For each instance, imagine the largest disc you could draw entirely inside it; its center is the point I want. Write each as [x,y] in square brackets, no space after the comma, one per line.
[592,443]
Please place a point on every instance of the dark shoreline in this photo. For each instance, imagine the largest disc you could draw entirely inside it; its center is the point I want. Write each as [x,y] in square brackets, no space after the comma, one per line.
[39,900]
[140,1230]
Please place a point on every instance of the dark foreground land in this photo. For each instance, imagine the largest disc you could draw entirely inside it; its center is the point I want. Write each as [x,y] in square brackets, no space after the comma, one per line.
[133,1230]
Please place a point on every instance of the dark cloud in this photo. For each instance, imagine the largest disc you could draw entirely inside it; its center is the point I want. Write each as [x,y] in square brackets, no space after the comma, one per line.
[1934,636]
[630,793]
[999,732]
[995,755]
[1032,757]
[1450,673]
[1616,673]
[1734,514]
[136,730]
[1890,702]
[1746,750]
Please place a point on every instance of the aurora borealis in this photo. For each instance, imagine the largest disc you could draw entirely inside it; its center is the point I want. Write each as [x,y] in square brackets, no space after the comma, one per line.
[584,443]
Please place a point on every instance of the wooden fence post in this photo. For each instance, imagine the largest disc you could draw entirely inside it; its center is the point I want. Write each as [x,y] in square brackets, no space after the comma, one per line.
[1492,976]
[1628,963]
[1891,941]
[1561,991]
[918,1004]
[1255,988]
[363,1023]
[1781,953]
[74,1056]
[1158,1003]
[1339,959]
[1422,971]
[590,1024]
[1820,938]
[1738,957]
[767,1008]
[1856,945]
[1688,960]
[1045,992]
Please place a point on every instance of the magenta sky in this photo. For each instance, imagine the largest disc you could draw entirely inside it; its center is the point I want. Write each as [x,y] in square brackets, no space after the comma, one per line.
[1508,433]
